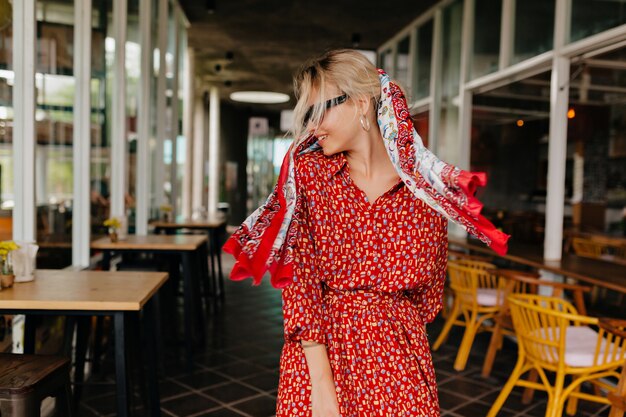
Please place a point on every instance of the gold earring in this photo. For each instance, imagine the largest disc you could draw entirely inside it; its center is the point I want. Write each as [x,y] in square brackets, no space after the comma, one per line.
[365,124]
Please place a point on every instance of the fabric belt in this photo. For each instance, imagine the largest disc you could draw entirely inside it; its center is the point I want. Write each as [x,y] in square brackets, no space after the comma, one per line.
[360,297]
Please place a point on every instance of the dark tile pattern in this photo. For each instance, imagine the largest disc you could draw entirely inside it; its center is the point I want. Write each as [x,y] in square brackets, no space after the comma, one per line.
[236,373]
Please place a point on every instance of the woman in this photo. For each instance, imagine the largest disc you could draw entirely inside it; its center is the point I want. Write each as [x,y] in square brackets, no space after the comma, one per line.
[355,235]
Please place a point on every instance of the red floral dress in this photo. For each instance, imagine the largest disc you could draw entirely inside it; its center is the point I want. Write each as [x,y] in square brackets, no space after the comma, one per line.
[367,278]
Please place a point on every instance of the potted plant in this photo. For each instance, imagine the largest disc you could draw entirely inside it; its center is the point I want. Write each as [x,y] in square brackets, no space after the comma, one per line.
[113,224]
[6,269]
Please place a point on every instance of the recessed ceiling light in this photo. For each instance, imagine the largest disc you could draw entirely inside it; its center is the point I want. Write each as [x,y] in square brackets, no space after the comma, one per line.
[261,97]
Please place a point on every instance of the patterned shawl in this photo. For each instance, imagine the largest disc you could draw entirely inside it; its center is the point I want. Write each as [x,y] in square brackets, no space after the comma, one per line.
[265,241]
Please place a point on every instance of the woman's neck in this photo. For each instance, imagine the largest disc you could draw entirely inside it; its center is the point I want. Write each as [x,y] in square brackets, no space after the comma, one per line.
[369,158]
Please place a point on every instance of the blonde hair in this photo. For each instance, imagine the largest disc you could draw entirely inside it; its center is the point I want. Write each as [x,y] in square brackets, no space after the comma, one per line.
[350,71]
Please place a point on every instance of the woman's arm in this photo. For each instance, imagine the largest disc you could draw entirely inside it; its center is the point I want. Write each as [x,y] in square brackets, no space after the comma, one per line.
[323,394]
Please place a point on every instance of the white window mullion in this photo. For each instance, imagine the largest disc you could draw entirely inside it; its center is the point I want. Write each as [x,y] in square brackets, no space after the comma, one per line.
[24,45]
[118,111]
[199,131]
[436,65]
[214,147]
[465,96]
[142,188]
[81,210]
[188,131]
[507,33]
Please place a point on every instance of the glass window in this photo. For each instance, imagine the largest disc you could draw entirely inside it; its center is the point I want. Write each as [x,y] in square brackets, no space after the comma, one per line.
[534,28]
[594,16]
[133,70]
[452,23]
[6,132]
[402,62]
[421,123]
[181,140]
[386,62]
[55,86]
[486,48]
[102,49]
[423,59]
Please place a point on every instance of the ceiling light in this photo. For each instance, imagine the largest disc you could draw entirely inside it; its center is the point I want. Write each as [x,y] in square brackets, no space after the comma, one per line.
[210,6]
[261,97]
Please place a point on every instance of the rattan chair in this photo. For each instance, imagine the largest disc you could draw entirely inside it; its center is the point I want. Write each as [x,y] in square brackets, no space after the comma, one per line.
[554,337]
[477,297]
[519,282]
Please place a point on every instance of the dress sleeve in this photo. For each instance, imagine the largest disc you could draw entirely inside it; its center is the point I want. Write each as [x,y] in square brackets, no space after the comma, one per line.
[429,298]
[303,298]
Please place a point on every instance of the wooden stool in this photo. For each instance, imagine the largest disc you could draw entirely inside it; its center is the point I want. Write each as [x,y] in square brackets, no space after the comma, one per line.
[25,380]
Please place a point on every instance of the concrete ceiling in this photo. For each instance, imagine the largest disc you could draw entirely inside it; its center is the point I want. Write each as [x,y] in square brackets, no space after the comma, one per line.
[270,39]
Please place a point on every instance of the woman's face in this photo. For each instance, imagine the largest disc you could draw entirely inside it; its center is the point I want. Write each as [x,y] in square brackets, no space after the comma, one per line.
[339,129]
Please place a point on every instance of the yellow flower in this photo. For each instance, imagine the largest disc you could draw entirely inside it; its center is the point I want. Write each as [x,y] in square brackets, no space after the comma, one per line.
[113,223]
[6,247]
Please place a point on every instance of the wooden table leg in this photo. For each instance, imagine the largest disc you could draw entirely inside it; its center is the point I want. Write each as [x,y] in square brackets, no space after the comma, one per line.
[218,255]
[151,324]
[30,328]
[121,367]
[188,307]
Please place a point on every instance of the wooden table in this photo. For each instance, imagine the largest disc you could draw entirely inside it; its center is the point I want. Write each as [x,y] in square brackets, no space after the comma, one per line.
[93,293]
[192,253]
[595,272]
[215,227]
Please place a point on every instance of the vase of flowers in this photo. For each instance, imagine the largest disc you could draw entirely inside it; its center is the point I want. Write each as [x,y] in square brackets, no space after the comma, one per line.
[113,224]
[166,212]
[7,278]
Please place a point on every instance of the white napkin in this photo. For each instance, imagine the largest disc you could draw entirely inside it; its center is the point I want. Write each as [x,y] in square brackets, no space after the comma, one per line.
[23,260]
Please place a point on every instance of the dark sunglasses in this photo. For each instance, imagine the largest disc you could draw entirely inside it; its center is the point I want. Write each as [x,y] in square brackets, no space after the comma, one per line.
[327,105]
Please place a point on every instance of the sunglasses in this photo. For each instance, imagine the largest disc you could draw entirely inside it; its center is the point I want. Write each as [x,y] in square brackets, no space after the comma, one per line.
[327,105]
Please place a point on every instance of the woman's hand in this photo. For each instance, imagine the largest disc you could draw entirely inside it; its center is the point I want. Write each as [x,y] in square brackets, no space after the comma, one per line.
[324,397]
[323,394]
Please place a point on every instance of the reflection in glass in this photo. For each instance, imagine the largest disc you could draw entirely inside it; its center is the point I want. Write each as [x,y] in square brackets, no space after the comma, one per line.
[452,25]
[386,62]
[534,28]
[423,58]
[593,16]
[133,71]
[6,133]
[101,57]
[486,49]
[402,62]
[55,85]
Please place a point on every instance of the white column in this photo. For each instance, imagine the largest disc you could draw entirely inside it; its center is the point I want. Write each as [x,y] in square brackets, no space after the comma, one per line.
[188,129]
[198,153]
[81,210]
[507,33]
[465,96]
[142,188]
[24,44]
[557,148]
[118,111]
[174,128]
[434,116]
[161,108]
[214,148]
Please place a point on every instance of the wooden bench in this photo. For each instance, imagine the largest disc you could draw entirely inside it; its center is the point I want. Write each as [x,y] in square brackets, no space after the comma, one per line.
[25,380]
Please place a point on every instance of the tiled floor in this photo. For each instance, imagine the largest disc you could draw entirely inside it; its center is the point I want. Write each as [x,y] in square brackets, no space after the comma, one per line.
[237,372]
